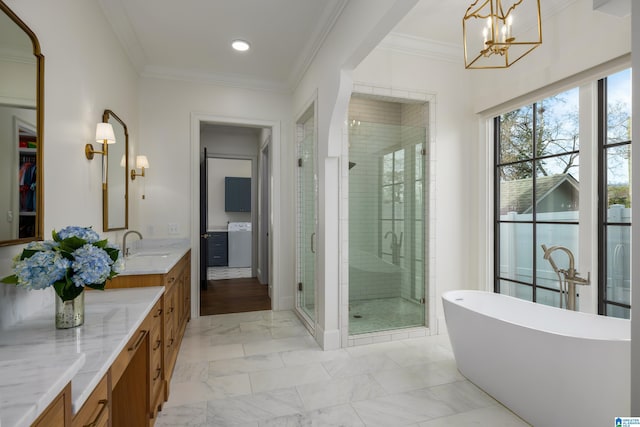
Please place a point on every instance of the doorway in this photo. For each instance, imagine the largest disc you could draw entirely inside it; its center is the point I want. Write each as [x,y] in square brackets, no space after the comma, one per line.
[230,221]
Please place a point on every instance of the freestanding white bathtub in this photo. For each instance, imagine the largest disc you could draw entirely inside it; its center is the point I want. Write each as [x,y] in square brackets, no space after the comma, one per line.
[550,366]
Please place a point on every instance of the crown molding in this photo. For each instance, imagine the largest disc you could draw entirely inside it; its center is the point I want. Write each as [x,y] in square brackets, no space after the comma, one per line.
[116,15]
[230,80]
[418,46]
[326,23]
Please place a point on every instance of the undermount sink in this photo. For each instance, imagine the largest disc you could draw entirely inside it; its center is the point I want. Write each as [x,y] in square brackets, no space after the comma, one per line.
[150,254]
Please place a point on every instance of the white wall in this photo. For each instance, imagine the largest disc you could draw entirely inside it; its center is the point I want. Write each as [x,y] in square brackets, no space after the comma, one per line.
[79,84]
[166,110]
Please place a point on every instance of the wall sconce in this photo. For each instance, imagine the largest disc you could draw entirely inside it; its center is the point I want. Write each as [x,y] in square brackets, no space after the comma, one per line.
[104,135]
[141,163]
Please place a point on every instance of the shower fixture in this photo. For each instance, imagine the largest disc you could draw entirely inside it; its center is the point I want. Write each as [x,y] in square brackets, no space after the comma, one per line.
[568,279]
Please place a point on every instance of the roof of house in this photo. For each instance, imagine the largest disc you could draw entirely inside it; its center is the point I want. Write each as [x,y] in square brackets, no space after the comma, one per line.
[516,195]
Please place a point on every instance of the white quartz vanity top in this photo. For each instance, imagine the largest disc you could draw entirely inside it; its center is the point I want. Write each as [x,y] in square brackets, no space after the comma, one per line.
[29,385]
[111,318]
[154,257]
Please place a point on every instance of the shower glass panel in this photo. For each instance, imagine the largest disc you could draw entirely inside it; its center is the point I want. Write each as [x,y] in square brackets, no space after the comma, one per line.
[307,215]
[386,227]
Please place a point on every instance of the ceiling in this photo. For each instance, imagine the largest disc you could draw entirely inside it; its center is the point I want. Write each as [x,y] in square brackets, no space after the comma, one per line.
[190,39]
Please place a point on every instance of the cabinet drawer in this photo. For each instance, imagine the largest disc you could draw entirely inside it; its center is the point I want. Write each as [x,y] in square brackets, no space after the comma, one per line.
[95,411]
[127,353]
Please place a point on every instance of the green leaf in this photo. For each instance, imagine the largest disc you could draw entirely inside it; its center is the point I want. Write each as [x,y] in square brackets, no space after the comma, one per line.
[70,244]
[13,279]
[101,243]
[28,253]
[98,286]
[67,291]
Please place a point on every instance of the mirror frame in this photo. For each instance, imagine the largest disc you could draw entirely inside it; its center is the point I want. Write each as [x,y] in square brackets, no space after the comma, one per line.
[39,235]
[105,187]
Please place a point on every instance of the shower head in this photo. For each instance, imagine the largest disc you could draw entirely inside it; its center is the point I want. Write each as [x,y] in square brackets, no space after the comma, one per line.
[351,165]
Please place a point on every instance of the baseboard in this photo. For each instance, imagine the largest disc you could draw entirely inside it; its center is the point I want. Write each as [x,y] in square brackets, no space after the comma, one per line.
[328,340]
[286,303]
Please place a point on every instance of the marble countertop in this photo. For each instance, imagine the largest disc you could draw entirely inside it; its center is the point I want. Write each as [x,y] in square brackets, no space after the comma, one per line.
[43,358]
[154,257]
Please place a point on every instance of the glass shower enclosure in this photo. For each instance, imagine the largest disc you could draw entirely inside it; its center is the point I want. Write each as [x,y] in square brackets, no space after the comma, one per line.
[386,226]
[307,213]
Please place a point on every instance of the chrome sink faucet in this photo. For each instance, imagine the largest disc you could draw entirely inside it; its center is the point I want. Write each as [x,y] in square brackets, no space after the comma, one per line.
[124,241]
[571,276]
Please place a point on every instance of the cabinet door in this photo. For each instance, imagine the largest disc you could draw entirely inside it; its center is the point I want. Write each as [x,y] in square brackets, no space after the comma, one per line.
[95,410]
[237,194]
[58,413]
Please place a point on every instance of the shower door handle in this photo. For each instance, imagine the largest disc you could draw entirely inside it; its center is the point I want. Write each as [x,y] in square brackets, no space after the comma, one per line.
[313,243]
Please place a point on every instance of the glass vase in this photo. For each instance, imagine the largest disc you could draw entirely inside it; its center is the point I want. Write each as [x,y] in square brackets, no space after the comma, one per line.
[69,314]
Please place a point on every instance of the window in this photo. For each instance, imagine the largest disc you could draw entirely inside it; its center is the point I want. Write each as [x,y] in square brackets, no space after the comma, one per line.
[537,188]
[538,200]
[614,215]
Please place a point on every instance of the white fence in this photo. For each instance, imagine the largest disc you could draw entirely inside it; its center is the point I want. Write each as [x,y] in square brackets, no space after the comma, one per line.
[517,246]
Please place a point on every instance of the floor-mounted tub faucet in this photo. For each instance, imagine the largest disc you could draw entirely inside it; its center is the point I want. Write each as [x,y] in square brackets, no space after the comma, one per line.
[570,275]
[395,246]
[124,241]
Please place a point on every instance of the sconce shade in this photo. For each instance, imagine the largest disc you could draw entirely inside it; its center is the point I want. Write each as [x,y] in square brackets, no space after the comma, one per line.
[497,33]
[104,132]
[142,162]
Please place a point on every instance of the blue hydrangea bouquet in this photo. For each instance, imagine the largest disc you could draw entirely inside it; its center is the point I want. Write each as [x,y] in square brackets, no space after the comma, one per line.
[75,258]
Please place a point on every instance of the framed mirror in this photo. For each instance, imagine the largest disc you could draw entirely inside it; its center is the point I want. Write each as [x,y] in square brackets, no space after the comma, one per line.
[21,130]
[115,187]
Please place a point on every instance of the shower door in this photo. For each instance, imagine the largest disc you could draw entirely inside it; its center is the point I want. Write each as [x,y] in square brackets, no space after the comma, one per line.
[386,227]
[307,194]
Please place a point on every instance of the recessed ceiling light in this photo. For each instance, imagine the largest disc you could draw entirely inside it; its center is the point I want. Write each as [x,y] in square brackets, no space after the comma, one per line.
[240,45]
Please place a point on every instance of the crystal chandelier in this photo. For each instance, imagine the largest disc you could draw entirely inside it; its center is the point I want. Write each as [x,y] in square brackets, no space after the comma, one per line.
[497,33]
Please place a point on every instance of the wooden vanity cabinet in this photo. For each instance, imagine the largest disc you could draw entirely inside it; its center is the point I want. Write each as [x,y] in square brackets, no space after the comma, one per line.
[175,313]
[156,385]
[58,413]
[96,411]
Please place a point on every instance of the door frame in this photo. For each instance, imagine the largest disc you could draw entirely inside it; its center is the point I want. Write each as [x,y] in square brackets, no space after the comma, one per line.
[275,269]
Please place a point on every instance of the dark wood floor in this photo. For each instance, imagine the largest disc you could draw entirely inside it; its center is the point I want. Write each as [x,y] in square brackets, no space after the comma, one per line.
[234,296]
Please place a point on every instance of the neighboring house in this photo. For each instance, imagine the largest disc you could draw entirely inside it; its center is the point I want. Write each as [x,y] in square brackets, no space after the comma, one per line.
[555,193]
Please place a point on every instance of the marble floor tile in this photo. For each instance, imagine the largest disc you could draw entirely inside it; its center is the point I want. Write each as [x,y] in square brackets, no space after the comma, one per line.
[213,388]
[338,391]
[190,371]
[253,408]
[337,416]
[417,355]
[247,364]
[360,365]
[264,369]
[287,377]
[490,416]
[416,377]
[316,355]
[383,347]
[191,415]
[193,350]
[400,409]
[278,345]
[462,396]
